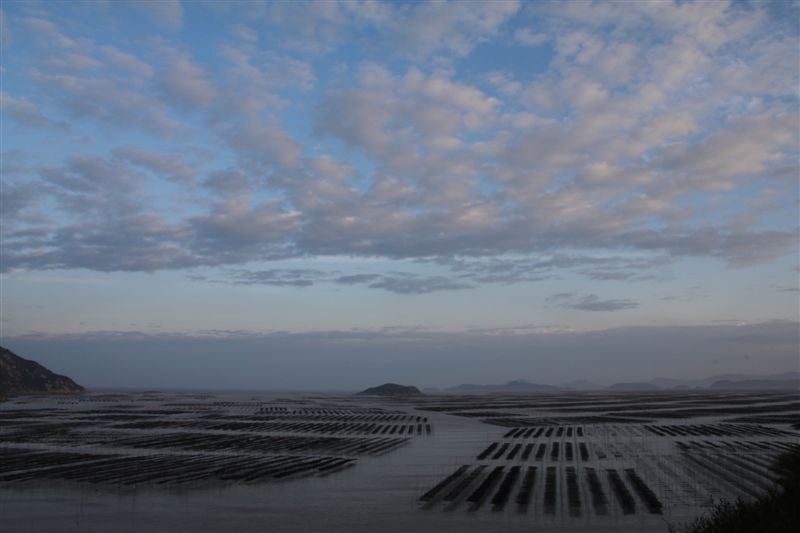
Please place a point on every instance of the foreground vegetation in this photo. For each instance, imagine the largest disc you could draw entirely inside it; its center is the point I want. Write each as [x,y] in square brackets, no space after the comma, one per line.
[776,512]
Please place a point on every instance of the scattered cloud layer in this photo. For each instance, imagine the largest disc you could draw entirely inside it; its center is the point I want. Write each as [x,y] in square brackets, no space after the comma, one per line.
[396,282]
[625,136]
[461,273]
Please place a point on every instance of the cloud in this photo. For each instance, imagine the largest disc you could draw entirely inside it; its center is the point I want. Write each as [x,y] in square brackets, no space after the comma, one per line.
[530,38]
[787,289]
[560,296]
[27,113]
[71,62]
[309,25]
[122,60]
[185,84]
[229,182]
[357,279]
[456,27]
[17,197]
[590,302]
[251,82]
[736,247]
[747,146]
[262,146]
[79,78]
[108,100]
[238,229]
[138,242]
[171,166]
[396,282]
[300,277]
[652,133]
[417,285]
[244,33]
[45,28]
[537,268]
[464,273]
[417,30]
[87,173]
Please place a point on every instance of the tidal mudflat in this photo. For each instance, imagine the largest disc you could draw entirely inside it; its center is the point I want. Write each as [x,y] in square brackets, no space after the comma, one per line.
[556,462]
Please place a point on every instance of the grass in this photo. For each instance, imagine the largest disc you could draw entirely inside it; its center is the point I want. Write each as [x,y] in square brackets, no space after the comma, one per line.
[776,512]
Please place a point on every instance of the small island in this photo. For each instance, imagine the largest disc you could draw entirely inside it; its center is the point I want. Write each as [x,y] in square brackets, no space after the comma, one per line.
[391,389]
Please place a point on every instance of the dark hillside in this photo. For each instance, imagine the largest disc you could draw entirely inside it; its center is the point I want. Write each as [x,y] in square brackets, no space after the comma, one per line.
[23,376]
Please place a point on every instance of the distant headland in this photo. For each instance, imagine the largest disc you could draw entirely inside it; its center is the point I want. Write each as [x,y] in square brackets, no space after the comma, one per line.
[23,376]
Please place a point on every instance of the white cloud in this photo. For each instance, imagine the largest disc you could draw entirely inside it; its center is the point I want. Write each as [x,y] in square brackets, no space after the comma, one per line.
[529,37]
[120,59]
[455,27]
[22,110]
[244,33]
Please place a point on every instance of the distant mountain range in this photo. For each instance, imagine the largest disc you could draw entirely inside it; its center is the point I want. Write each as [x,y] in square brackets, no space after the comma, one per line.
[762,384]
[22,376]
[511,386]
[733,380]
[783,381]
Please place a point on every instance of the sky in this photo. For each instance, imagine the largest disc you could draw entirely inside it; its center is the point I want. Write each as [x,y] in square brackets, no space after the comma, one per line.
[333,194]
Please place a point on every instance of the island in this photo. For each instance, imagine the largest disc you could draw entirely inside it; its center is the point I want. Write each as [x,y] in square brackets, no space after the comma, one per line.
[391,389]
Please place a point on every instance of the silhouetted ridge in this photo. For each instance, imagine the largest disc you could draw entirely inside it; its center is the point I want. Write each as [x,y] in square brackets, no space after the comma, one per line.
[22,376]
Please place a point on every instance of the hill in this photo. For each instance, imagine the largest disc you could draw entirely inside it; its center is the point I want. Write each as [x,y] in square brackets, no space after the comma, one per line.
[776,511]
[391,389]
[757,384]
[23,376]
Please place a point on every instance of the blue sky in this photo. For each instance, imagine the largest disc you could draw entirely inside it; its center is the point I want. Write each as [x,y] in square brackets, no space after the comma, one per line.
[218,169]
